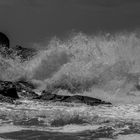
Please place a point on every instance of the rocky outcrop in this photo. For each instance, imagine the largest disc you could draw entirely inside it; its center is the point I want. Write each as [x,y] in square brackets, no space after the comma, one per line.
[7,51]
[6,99]
[85,99]
[73,99]
[4,41]
[4,45]
[8,89]
[8,92]
[18,51]
[24,53]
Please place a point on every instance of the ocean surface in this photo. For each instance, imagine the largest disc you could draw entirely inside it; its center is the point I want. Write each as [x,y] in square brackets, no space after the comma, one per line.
[104,66]
[35,120]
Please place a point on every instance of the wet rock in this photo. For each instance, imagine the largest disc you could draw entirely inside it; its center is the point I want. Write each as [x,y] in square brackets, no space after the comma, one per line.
[85,99]
[6,99]
[16,90]
[25,90]
[8,92]
[73,99]
[28,95]
[24,85]
[8,89]
[54,97]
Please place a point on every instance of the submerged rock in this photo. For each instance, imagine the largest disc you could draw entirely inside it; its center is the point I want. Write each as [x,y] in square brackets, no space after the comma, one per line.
[73,99]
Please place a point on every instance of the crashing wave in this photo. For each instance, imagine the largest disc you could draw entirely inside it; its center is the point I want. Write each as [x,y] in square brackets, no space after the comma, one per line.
[105,66]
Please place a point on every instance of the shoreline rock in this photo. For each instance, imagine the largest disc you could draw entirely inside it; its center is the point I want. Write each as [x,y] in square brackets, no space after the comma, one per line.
[10,91]
[6,99]
[72,99]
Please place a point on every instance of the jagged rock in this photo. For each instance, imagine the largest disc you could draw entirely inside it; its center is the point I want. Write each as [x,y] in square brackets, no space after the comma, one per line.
[8,89]
[73,99]
[24,53]
[7,51]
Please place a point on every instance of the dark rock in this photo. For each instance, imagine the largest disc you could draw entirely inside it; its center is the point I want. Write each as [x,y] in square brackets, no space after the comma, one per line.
[16,90]
[84,99]
[8,89]
[25,90]
[4,41]
[8,92]
[6,99]
[7,51]
[28,95]
[73,99]
[4,45]
[48,97]
[54,97]
[19,52]
[24,85]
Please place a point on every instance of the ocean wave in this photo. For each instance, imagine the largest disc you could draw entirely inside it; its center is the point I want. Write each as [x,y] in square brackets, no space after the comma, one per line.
[82,63]
[54,120]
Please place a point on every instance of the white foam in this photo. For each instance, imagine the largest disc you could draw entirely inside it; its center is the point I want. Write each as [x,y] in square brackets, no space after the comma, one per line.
[10,128]
[75,128]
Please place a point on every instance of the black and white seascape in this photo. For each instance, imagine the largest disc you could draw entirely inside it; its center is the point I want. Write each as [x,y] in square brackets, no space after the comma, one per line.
[69,70]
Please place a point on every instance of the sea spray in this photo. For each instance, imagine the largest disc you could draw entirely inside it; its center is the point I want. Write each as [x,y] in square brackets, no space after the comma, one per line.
[101,65]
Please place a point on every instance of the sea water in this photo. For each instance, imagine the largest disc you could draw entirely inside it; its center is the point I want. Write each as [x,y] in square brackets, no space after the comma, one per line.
[105,66]
[34,120]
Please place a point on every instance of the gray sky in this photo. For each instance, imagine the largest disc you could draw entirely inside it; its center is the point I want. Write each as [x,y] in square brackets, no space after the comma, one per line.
[27,21]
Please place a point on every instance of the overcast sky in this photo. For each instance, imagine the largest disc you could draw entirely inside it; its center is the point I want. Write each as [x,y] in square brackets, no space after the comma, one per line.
[27,21]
